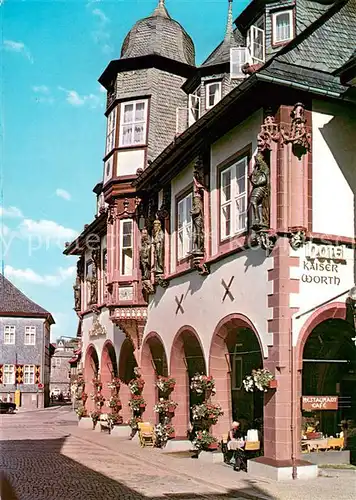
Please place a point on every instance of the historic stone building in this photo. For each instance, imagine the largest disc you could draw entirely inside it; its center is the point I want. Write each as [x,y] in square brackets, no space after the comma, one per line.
[24,348]
[63,355]
[224,235]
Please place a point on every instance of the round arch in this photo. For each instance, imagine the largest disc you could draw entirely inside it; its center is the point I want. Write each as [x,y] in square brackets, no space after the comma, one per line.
[235,350]
[186,359]
[127,365]
[91,370]
[108,367]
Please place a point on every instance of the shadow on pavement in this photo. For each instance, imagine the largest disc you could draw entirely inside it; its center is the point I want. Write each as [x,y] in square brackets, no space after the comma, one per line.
[36,470]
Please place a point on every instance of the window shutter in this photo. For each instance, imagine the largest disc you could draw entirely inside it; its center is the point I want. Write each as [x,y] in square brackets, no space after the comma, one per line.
[256,44]
[38,374]
[1,373]
[19,374]
[238,57]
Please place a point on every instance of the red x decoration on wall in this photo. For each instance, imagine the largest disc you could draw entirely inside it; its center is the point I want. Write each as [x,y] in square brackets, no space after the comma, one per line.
[227,292]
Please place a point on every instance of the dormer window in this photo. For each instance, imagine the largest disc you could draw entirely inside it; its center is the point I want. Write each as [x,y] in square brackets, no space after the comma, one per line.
[133,123]
[256,44]
[213,94]
[282,26]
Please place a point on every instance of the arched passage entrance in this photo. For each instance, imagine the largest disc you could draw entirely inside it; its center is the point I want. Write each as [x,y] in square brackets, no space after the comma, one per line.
[91,370]
[108,367]
[329,369]
[153,364]
[127,365]
[235,352]
[187,359]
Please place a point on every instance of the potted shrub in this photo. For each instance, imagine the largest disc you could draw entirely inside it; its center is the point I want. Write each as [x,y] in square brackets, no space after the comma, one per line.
[165,384]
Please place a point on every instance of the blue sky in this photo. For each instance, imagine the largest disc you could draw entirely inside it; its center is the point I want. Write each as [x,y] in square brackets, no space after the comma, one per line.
[53,127]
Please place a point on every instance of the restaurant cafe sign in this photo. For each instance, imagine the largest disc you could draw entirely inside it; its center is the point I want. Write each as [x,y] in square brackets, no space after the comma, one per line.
[322,264]
[313,403]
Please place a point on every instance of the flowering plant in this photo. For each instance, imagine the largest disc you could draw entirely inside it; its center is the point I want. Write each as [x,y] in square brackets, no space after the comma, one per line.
[98,399]
[137,402]
[203,439]
[258,380]
[163,432]
[133,422]
[165,406]
[95,415]
[114,419]
[165,384]
[207,411]
[136,385]
[81,412]
[202,383]
[97,383]
[114,384]
[84,397]
[114,402]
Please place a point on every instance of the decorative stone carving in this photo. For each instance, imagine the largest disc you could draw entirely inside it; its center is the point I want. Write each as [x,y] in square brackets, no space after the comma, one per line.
[266,240]
[93,280]
[165,208]
[77,294]
[97,330]
[158,245]
[297,237]
[298,135]
[269,132]
[259,199]
[111,214]
[197,214]
[145,262]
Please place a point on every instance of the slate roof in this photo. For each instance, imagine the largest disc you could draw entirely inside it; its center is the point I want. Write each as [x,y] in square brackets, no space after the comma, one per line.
[328,43]
[308,11]
[222,52]
[159,34]
[14,302]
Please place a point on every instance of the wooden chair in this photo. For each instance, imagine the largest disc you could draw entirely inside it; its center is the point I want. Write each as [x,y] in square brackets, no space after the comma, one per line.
[146,434]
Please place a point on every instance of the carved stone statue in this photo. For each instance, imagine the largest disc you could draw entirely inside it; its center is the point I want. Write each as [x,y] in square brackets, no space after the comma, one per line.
[77,294]
[145,255]
[158,245]
[198,224]
[259,199]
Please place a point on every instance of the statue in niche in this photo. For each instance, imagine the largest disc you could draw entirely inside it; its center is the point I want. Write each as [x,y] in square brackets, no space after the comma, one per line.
[145,255]
[259,199]
[198,224]
[158,245]
[77,294]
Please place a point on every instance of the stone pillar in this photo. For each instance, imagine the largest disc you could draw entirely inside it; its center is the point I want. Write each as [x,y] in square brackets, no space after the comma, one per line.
[180,394]
[149,391]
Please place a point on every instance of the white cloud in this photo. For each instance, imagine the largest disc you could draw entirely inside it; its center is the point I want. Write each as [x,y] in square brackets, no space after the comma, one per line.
[46,229]
[4,230]
[62,193]
[77,100]
[11,212]
[41,89]
[43,94]
[20,47]
[30,276]
[100,14]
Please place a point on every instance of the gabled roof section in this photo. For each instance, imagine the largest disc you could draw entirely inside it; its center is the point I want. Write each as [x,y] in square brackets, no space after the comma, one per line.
[328,43]
[15,303]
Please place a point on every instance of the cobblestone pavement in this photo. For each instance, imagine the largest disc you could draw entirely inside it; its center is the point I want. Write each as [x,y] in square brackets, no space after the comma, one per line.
[45,456]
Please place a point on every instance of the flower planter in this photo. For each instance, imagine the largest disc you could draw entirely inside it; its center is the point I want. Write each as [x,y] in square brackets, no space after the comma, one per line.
[213,446]
[172,435]
[142,406]
[171,409]
[272,384]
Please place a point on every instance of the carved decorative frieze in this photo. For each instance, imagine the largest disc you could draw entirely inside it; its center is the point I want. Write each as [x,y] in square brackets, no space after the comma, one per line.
[269,133]
[97,330]
[298,134]
[297,237]
[128,207]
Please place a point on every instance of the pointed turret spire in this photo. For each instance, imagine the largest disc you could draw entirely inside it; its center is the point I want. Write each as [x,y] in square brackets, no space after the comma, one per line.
[229,24]
[161,10]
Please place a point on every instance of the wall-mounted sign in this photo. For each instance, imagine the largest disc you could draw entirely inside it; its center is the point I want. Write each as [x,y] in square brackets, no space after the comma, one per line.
[312,403]
[322,264]
[324,252]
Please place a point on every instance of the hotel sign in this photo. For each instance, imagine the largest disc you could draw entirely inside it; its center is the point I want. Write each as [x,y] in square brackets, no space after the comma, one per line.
[312,403]
[322,264]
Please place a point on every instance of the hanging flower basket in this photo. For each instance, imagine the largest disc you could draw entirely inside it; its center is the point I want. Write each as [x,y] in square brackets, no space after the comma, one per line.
[98,399]
[207,411]
[114,402]
[202,383]
[133,422]
[205,441]
[163,433]
[136,385]
[114,384]
[84,397]
[165,406]
[273,384]
[137,403]
[81,412]
[97,383]
[259,380]
[165,384]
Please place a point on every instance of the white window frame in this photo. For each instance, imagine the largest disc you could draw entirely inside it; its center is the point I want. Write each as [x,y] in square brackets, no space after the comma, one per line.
[9,334]
[123,247]
[9,375]
[194,107]
[30,334]
[234,200]
[184,232]
[238,57]
[29,371]
[274,26]
[219,93]
[251,36]
[111,131]
[122,124]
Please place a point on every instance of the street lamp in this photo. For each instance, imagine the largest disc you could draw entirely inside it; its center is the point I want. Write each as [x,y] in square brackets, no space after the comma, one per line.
[352,304]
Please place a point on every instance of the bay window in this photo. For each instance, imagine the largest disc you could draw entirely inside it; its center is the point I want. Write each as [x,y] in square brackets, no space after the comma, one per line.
[133,123]
[111,131]
[213,94]
[30,335]
[9,374]
[126,231]
[233,199]
[282,23]
[9,334]
[184,226]
[29,374]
